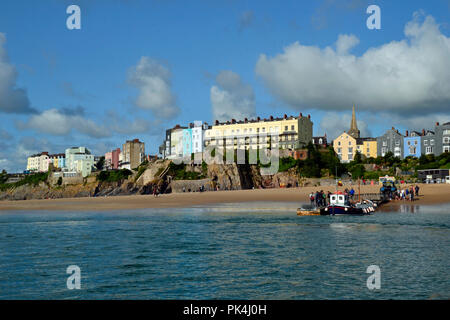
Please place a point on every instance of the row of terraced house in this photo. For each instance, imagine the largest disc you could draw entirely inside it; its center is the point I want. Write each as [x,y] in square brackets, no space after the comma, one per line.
[293,133]
[411,144]
[288,133]
[80,161]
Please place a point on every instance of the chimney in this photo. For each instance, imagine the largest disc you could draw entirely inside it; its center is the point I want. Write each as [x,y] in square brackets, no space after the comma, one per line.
[437,124]
[301,115]
[393,128]
[309,116]
[245,120]
[233,120]
[285,116]
[271,117]
[423,132]
[217,122]
[407,133]
[259,119]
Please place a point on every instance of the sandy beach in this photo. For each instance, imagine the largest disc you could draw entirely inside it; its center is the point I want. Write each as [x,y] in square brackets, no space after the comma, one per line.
[429,194]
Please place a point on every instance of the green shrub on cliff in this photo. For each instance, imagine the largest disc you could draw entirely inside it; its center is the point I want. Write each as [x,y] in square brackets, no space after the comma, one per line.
[32,179]
[178,172]
[114,176]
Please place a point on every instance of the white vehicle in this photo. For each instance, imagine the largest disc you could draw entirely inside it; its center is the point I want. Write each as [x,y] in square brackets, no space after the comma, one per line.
[447,179]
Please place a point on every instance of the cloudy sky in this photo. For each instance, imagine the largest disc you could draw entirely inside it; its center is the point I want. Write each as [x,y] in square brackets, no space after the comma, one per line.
[137,67]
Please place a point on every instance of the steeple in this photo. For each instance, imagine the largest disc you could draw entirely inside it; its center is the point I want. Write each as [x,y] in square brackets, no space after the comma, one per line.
[354,132]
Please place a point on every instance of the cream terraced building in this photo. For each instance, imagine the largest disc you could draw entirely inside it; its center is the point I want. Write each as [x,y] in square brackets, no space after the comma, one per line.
[284,133]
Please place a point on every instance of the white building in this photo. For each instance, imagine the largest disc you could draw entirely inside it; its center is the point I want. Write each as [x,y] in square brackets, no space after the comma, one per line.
[79,159]
[38,162]
[198,136]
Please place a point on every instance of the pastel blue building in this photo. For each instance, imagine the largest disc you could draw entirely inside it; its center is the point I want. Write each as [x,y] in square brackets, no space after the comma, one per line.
[412,145]
[187,142]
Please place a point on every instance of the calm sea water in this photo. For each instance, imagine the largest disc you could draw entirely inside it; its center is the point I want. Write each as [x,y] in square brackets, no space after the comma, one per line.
[234,251]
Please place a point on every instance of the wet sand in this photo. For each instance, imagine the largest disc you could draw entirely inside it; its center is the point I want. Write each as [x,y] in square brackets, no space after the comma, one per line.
[428,194]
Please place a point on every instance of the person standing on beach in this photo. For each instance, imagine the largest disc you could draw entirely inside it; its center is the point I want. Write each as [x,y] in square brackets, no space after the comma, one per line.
[417,190]
[311,198]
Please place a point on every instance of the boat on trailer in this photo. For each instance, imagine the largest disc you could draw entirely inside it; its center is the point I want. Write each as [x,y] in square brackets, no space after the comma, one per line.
[340,204]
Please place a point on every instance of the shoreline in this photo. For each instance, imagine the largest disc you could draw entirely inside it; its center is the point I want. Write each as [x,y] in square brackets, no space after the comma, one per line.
[428,195]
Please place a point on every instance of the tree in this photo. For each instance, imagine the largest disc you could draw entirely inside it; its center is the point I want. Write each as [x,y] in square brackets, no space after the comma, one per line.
[357,171]
[3,176]
[357,159]
[100,163]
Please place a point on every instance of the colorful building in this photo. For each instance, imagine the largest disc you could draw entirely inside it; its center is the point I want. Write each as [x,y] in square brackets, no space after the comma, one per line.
[112,159]
[284,133]
[345,146]
[348,143]
[79,159]
[412,146]
[186,141]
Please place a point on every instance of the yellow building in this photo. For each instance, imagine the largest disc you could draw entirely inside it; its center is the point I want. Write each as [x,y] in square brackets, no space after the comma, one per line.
[284,133]
[345,146]
[367,147]
[348,143]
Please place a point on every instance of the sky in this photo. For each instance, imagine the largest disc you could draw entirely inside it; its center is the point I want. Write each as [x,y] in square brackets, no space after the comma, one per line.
[136,68]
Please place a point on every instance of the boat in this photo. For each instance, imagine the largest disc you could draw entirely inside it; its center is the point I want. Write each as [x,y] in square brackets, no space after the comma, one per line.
[308,210]
[340,204]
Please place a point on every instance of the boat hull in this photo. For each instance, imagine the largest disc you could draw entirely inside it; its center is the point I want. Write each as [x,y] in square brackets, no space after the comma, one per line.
[340,210]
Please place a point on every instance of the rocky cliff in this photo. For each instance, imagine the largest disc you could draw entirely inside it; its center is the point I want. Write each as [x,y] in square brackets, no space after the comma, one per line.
[218,176]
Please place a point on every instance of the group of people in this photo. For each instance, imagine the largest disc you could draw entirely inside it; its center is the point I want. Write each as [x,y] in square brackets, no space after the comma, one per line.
[319,198]
[407,193]
[322,199]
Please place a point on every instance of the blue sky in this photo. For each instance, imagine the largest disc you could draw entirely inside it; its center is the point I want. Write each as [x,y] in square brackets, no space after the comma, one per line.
[138,67]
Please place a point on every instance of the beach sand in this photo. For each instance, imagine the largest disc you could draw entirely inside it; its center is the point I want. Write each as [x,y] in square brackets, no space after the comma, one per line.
[429,194]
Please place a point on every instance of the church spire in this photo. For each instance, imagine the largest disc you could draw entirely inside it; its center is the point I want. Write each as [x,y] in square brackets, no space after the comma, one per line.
[354,132]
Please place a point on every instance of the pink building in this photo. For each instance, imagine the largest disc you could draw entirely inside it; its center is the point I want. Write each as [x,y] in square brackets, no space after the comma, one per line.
[112,159]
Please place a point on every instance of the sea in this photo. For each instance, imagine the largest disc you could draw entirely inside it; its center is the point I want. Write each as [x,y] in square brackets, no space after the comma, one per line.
[259,250]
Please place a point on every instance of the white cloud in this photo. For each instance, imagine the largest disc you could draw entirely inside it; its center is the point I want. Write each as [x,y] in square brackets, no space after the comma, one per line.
[155,89]
[56,122]
[408,77]
[12,98]
[231,98]
[122,125]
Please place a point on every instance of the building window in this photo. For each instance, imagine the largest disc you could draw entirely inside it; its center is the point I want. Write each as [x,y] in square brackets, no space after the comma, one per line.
[446,132]
[285,128]
[350,150]
[384,143]
[339,150]
[432,142]
[425,142]
[339,143]
[292,128]
[446,149]
[446,140]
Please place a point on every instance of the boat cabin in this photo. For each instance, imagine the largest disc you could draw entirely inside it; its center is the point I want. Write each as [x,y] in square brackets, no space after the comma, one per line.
[339,200]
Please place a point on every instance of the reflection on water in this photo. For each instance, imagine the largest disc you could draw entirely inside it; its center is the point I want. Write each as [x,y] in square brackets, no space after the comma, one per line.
[405,208]
[237,251]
